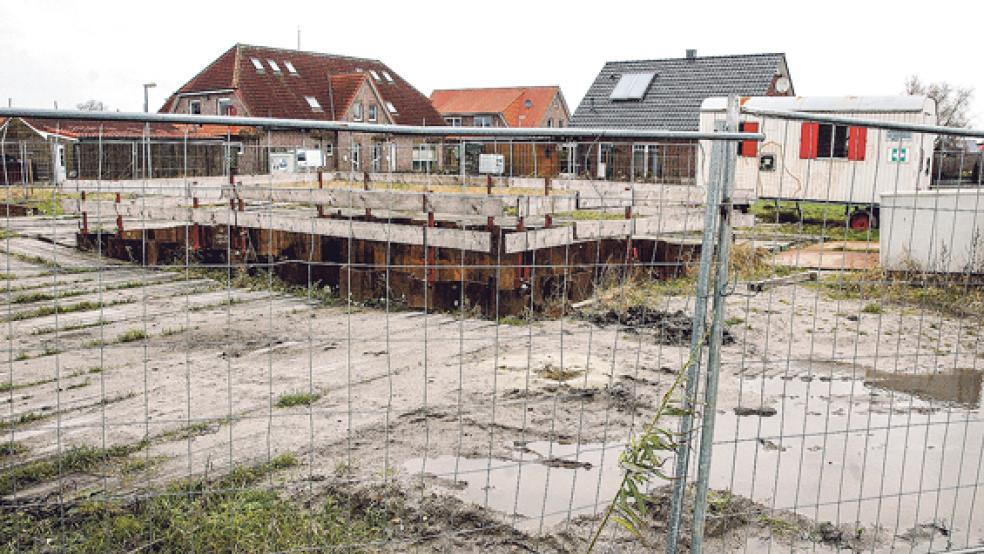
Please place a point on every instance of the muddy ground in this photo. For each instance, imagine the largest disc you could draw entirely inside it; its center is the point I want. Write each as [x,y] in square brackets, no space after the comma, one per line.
[838,425]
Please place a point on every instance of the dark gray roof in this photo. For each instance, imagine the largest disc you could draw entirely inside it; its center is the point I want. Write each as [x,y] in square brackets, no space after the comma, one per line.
[675,94]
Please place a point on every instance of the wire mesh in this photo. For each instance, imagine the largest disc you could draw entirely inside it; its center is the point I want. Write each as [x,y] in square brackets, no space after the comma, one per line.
[225,337]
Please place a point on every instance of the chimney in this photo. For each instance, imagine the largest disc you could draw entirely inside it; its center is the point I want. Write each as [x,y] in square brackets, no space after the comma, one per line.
[691,53]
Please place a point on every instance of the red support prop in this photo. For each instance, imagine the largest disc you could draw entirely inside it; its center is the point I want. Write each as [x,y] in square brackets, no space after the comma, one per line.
[321,179]
[85,222]
[119,224]
[196,241]
[242,205]
[546,186]
[548,221]
[488,184]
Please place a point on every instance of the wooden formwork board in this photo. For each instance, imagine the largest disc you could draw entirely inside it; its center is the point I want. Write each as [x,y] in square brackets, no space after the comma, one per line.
[480,241]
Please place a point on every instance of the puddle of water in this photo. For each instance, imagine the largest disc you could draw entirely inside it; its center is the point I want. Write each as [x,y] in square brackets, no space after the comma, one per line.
[962,386]
[898,451]
[555,481]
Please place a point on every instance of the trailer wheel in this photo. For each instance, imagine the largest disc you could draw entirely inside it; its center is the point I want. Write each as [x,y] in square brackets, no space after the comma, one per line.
[862,220]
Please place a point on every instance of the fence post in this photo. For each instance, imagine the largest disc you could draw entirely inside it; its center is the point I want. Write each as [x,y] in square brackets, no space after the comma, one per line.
[717,327]
[711,212]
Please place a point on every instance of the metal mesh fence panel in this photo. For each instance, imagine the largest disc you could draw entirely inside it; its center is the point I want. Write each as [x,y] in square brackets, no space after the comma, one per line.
[227,335]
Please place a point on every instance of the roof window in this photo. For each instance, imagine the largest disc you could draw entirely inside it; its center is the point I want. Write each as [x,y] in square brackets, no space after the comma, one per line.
[313,102]
[390,107]
[290,67]
[257,64]
[632,86]
[274,66]
[374,74]
[387,76]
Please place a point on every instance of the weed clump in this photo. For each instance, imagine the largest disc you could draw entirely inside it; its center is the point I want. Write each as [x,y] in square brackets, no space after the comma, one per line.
[297,399]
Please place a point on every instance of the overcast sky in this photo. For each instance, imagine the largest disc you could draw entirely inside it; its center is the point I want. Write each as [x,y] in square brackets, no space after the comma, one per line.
[53,50]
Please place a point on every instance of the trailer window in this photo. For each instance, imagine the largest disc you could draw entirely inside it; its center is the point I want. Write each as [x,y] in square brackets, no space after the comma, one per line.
[832,141]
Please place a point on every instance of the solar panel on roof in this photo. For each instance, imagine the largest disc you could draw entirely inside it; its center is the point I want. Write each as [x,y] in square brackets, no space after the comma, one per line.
[632,86]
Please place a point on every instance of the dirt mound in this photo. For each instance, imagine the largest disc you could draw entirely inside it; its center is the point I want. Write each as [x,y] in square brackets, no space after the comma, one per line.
[668,328]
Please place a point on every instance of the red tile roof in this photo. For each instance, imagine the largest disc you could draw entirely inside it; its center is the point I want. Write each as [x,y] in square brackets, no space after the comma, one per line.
[510,102]
[282,94]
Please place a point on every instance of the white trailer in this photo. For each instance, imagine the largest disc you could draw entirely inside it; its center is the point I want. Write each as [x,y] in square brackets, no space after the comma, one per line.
[820,162]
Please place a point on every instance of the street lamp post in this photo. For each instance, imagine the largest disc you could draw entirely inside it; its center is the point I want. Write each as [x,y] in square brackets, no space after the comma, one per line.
[147,87]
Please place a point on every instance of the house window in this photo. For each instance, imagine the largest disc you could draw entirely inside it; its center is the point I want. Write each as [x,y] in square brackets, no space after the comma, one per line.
[290,67]
[274,66]
[372,112]
[453,121]
[223,106]
[357,112]
[390,107]
[483,120]
[257,64]
[748,148]
[313,103]
[355,157]
[423,157]
[195,107]
[825,140]
[549,122]
[632,86]
[329,150]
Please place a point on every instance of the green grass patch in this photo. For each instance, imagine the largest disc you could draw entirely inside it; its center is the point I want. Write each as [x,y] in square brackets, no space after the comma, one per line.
[872,308]
[943,295]
[44,311]
[11,448]
[297,399]
[229,514]
[818,219]
[75,460]
[131,335]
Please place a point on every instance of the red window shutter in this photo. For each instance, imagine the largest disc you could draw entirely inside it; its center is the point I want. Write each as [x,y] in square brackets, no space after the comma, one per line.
[809,137]
[857,141]
[749,148]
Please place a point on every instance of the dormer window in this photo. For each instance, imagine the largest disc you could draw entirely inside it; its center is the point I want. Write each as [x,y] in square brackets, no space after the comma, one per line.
[274,66]
[290,67]
[257,64]
[357,112]
[313,103]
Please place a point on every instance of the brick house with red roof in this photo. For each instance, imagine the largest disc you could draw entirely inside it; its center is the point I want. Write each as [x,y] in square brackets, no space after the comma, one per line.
[259,81]
[503,107]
